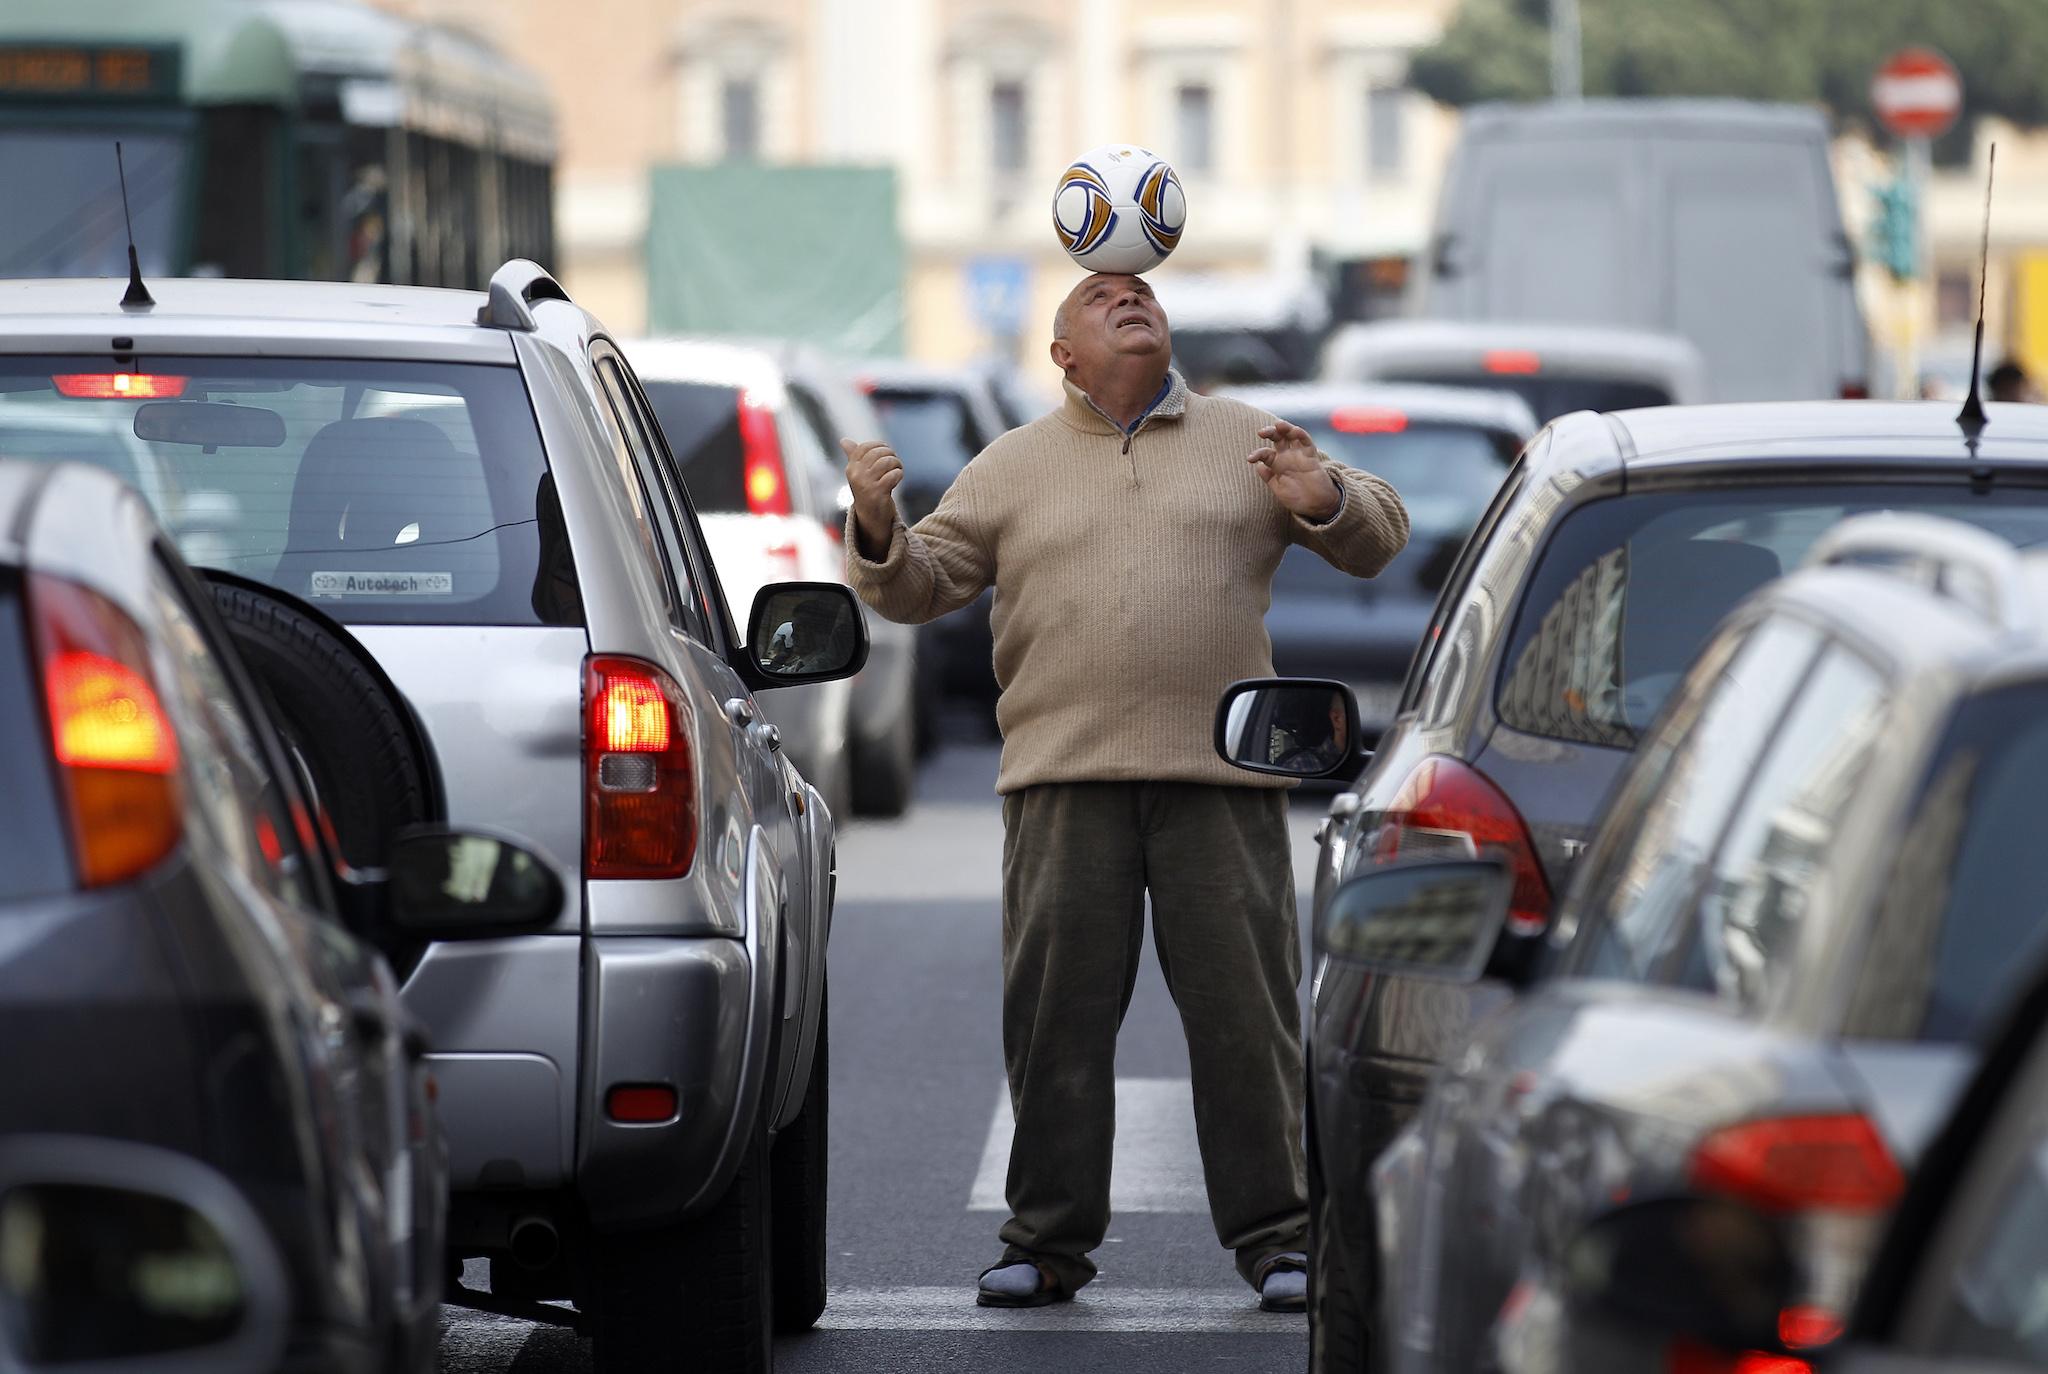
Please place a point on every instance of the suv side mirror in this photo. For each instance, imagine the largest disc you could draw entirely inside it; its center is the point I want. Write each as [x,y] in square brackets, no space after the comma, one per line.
[467,885]
[1707,1270]
[1431,919]
[1291,727]
[805,632]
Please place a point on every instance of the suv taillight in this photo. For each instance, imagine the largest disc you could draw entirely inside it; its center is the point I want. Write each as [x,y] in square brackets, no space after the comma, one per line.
[116,750]
[1835,1163]
[640,782]
[1446,808]
[767,481]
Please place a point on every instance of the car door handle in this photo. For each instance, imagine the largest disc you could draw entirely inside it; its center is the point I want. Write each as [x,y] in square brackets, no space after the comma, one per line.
[765,736]
[740,710]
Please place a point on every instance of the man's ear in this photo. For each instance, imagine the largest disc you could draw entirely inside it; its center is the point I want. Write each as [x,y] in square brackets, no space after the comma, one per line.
[1062,356]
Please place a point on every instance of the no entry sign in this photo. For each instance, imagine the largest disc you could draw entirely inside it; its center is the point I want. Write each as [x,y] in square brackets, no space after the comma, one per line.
[1917,93]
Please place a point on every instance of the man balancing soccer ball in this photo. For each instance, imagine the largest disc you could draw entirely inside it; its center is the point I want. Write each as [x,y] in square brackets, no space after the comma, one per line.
[1131,537]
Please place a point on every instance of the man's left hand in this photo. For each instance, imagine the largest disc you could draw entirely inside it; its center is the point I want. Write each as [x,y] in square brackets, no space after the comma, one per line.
[1293,472]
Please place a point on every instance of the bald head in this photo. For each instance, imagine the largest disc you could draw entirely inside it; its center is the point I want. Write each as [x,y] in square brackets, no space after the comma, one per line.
[1109,327]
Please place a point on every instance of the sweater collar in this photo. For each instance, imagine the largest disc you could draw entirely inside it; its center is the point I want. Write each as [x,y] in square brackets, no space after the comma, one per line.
[1080,412]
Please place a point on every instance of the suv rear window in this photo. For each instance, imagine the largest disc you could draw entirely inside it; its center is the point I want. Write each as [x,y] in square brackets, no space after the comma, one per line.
[702,424]
[384,493]
[1550,397]
[1628,589]
[34,854]
[1967,900]
[931,432]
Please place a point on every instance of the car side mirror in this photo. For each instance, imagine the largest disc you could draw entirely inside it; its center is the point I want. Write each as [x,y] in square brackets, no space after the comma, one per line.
[1433,919]
[804,632]
[467,885]
[1291,728]
[125,1258]
[1706,1270]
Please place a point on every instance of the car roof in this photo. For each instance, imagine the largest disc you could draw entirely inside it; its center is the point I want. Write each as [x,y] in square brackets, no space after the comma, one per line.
[1826,432]
[1476,406]
[719,362]
[80,523]
[892,373]
[1566,348]
[238,317]
[1638,117]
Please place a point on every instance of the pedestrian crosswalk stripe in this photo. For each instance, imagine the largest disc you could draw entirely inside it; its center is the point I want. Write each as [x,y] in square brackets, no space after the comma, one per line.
[1157,1167]
[1098,1307]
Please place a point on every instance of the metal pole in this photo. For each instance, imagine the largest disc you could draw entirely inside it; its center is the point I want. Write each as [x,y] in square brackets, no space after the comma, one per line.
[1566,79]
[1919,162]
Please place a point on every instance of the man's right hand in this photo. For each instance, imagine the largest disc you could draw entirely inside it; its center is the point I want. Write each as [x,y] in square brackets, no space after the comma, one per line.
[874,472]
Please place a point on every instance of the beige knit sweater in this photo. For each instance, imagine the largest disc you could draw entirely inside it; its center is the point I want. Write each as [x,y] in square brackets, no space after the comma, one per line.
[1131,576]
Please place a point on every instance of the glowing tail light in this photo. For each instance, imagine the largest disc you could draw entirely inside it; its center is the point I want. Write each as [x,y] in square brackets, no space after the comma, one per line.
[767,480]
[640,782]
[114,386]
[1368,420]
[115,748]
[1446,808]
[1835,1163]
[1513,362]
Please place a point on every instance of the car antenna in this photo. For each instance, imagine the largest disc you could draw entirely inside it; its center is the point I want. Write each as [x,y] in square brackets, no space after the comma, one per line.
[1971,417]
[138,296]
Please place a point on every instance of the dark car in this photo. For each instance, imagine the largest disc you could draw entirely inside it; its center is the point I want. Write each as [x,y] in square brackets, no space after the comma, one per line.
[189,969]
[1613,549]
[1445,450]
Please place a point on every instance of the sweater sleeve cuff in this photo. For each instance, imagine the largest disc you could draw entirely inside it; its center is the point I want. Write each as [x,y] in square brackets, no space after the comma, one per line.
[862,569]
[1343,500]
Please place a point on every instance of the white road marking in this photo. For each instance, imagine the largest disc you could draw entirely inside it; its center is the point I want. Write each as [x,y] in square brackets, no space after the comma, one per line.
[1157,1167]
[1098,1307]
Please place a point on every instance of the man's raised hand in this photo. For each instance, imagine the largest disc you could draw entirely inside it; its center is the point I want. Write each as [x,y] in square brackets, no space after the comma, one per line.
[874,472]
[1293,472]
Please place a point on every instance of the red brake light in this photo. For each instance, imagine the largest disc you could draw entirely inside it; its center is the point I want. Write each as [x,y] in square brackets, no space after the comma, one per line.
[1368,420]
[640,782]
[1797,1163]
[1807,1327]
[1513,362]
[116,750]
[102,386]
[1446,808]
[1691,1357]
[767,481]
[641,1103]
[1855,391]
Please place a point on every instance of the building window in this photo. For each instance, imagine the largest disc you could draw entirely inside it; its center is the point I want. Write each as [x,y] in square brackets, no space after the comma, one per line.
[1385,133]
[1010,140]
[739,99]
[1194,128]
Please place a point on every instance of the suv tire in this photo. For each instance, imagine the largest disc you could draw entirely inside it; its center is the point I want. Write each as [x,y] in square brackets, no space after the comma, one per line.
[885,771]
[796,1172]
[1339,1332]
[695,1295]
[372,770]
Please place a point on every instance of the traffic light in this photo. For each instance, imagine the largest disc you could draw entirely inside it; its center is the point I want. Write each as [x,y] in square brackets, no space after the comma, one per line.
[1892,240]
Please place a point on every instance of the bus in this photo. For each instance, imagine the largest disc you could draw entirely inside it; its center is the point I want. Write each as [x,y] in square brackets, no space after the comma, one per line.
[313,139]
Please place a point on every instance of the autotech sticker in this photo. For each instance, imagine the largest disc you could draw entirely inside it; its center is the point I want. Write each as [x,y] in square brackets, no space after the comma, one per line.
[383,584]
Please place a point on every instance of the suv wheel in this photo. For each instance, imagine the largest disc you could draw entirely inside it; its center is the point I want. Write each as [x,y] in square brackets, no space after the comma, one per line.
[796,1170]
[695,1295]
[885,772]
[1338,1331]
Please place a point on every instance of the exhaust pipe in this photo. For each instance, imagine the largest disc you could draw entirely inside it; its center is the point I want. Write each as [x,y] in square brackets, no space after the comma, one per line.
[535,1243]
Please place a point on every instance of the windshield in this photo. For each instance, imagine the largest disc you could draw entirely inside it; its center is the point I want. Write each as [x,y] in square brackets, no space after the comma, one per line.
[1445,473]
[71,225]
[1550,397]
[1628,589]
[1968,897]
[385,493]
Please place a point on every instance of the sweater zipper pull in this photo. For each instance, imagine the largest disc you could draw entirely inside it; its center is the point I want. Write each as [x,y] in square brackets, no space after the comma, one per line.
[1127,453]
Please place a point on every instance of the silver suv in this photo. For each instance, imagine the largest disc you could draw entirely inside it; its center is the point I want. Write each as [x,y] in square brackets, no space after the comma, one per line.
[458,536]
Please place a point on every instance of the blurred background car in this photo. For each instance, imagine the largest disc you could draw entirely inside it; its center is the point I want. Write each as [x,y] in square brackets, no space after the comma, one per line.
[766,495]
[937,419]
[1715,220]
[1239,330]
[1446,451]
[1614,548]
[199,975]
[1955,1285]
[1555,368]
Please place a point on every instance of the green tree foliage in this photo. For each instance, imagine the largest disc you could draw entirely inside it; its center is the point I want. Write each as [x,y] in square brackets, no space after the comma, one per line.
[1800,50]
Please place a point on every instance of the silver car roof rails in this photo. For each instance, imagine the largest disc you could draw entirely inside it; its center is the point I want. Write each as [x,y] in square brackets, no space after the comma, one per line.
[1948,557]
[513,290]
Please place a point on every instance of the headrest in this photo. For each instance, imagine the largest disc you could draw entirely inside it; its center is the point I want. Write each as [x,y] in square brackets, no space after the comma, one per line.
[361,482]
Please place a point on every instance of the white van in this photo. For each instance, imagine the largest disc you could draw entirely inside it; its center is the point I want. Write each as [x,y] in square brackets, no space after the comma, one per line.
[1713,220]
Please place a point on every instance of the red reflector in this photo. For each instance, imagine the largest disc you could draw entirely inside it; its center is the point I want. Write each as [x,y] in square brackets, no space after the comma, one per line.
[641,1103]
[104,714]
[1368,420]
[1803,1328]
[101,386]
[1513,361]
[632,716]
[1794,1163]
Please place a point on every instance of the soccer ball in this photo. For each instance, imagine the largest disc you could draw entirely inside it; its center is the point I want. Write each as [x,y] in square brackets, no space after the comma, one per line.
[1119,208]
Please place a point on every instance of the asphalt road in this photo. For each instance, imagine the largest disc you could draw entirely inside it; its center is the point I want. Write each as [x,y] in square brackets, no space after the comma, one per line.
[919,1143]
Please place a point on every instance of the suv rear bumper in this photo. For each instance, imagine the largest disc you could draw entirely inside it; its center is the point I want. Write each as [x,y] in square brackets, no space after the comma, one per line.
[695,1013]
